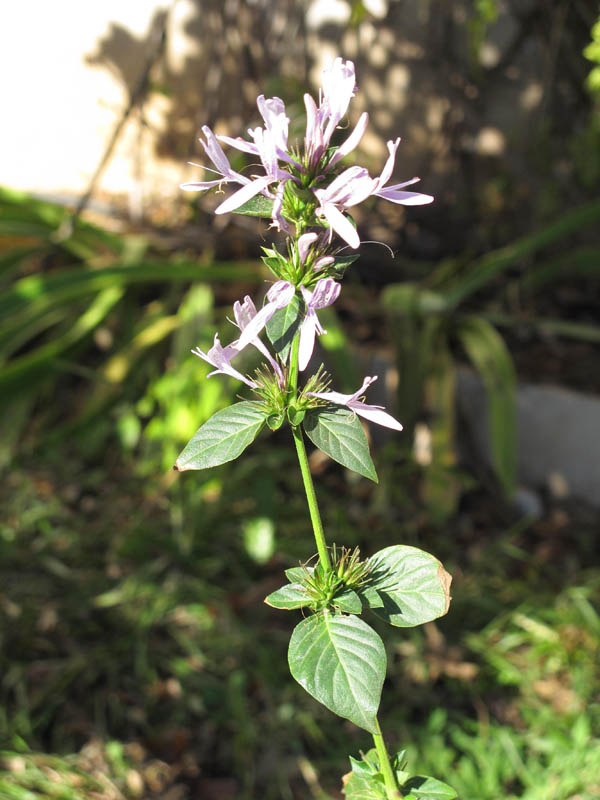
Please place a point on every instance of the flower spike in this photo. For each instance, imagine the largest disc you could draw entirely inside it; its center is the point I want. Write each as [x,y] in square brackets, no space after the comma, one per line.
[307,188]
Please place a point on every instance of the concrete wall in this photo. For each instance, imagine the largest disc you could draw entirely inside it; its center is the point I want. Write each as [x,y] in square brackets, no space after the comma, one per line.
[467,119]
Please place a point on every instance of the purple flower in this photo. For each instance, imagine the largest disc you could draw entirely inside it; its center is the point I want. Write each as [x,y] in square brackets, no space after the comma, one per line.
[304,243]
[354,185]
[325,293]
[349,188]
[279,222]
[351,142]
[339,86]
[391,192]
[314,142]
[266,148]
[244,314]
[269,145]
[279,296]
[352,401]
[220,357]
[276,121]
[276,125]
[215,152]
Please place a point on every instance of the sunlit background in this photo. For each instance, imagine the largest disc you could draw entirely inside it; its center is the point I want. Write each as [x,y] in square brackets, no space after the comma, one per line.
[137,659]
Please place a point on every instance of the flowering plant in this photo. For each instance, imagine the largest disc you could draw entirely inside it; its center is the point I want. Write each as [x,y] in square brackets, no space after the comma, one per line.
[333,653]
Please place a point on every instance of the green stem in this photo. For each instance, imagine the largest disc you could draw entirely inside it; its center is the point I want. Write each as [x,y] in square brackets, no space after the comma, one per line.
[311,498]
[293,381]
[391,785]
[309,487]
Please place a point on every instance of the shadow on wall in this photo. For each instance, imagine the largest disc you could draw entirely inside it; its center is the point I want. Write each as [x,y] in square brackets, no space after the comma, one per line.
[489,104]
[219,57]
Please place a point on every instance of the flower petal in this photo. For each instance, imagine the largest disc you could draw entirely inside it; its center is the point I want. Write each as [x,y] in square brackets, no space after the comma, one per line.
[201,186]
[276,121]
[332,397]
[403,184]
[325,293]
[281,293]
[345,399]
[239,144]
[308,331]
[304,243]
[339,85]
[313,139]
[341,225]
[375,414]
[244,312]
[341,187]
[365,385]
[388,167]
[279,221]
[352,141]
[323,262]
[220,357]
[255,326]
[404,198]
[244,194]
[215,152]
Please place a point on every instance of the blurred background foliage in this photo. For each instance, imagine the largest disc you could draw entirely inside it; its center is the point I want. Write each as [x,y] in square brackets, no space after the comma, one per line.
[136,656]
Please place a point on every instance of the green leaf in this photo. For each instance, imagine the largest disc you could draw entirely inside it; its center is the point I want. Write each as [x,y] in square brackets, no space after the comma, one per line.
[441,487]
[41,360]
[482,270]
[295,415]
[399,763]
[425,788]
[367,765]
[365,787]
[365,782]
[283,325]
[348,601]
[275,421]
[289,597]
[340,265]
[406,586]
[489,354]
[548,326]
[582,262]
[10,261]
[36,293]
[298,574]
[338,433]
[223,437]
[259,206]
[341,662]
[273,264]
